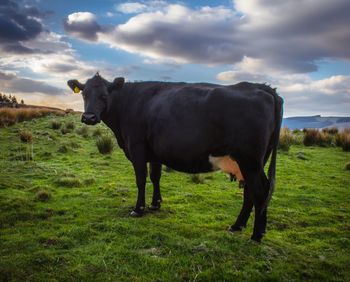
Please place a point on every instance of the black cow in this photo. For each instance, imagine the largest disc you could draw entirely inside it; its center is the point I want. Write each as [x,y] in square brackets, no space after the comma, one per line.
[193,128]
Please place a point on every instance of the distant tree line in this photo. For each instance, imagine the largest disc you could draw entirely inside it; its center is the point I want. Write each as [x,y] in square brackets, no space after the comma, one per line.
[9,100]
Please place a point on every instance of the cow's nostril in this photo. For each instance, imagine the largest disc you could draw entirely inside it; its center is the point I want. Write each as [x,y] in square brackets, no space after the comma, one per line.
[89,118]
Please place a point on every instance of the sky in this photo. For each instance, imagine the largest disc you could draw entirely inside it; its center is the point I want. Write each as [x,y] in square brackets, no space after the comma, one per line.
[301,47]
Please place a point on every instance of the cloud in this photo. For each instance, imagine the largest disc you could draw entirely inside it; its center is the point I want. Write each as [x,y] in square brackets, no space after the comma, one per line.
[11,83]
[289,35]
[82,25]
[176,34]
[302,94]
[138,7]
[131,7]
[56,60]
[293,35]
[19,24]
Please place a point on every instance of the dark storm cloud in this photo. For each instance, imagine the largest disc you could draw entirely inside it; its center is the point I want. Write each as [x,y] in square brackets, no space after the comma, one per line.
[296,34]
[11,83]
[19,24]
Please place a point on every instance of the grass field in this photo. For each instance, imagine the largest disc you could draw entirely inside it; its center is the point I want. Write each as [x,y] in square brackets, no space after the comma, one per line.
[64,215]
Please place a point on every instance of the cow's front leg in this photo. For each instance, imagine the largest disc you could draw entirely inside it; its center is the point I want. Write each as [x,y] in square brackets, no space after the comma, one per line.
[138,160]
[155,174]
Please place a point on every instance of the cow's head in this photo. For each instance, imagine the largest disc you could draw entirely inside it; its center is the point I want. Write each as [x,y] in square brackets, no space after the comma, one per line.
[95,93]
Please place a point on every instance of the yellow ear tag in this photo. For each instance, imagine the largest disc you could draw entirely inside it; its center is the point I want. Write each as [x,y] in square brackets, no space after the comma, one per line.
[76,89]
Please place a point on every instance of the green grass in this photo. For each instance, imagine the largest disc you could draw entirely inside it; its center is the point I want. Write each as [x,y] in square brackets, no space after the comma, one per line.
[64,217]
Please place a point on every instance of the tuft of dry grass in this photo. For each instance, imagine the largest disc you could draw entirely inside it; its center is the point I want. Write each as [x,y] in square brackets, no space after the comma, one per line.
[105,144]
[56,124]
[347,166]
[330,130]
[25,136]
[69,181]
[286,139]
[70,125]
[314,137]
[43,196]
[97,132]
[197,178]
[10,116]
[342,139]
[83,131]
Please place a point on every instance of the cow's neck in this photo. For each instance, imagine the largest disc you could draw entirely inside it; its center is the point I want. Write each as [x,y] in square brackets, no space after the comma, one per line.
[112,118]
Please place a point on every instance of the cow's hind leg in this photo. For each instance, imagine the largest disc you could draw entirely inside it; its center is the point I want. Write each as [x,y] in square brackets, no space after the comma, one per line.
[255,194]
[243,216]
[155,174]
[260,188]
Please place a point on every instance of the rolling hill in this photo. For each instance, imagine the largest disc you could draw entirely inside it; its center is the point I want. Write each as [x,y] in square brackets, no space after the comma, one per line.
[316,122]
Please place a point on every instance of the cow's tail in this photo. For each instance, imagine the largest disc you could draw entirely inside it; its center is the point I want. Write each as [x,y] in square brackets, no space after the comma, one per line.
[275,139]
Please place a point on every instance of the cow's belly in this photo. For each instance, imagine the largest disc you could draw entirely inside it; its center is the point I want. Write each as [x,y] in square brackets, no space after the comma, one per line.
[208,164]
[189,166]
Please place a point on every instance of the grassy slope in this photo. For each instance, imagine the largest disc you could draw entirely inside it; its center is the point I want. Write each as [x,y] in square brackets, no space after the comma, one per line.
[84,232]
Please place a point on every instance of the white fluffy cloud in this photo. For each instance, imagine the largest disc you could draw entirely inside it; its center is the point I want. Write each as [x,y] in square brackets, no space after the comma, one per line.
[302,94]
[131,7]
[138,7]
[179,34]
[288,35]
[82,25]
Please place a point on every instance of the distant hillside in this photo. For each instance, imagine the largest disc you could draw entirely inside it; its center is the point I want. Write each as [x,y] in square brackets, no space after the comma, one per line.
[316,122]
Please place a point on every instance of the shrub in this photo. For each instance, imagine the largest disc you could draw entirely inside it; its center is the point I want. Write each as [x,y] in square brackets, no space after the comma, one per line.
[347,166]
[89,181]
[24,154]
[97,132]
[43,196]
[330,130]
[69,181]
[25,135]
[197,178]
[68,146]
[74,145]
[63,149]
[70,125]
[83,131]
[326,139]
[65,130]
[56,124]
[9,116]
[346,142]
[310,136]
[315,137]
[342,139]
[286,139]
[105,144]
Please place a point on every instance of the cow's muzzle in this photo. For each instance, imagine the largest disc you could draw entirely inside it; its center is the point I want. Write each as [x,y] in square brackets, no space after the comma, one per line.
[89,118]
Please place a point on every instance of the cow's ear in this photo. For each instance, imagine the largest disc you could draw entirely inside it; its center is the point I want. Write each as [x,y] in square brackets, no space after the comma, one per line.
[116,84]
[75,85]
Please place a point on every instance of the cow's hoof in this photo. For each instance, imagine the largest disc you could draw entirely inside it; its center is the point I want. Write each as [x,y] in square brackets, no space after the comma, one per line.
[234,228]
[256,238]
[136,213]
[154,207]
